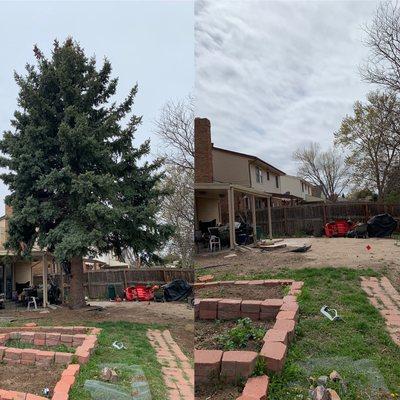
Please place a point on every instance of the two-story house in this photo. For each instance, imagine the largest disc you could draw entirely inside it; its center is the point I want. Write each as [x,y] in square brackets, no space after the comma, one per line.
[230,184]
[300,189]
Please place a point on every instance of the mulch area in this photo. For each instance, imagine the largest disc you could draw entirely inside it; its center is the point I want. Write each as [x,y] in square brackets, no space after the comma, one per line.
[248,292]
[206,334]
[211,392]
[29,379]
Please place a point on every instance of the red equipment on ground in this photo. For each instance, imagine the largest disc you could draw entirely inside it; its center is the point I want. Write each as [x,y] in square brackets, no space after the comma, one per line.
[338,228]
[140,293]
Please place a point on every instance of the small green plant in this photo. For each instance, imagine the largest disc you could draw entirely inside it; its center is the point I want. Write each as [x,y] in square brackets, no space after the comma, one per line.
[238,336]
[260,368]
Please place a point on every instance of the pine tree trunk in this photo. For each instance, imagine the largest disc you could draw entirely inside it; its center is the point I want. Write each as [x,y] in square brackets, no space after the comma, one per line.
[77,294]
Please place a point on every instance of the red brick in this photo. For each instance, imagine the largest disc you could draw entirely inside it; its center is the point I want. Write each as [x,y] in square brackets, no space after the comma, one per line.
[15,335]
[13,395]
[203,160]
[227,315]
[30,396]
[250,306]
[65,338]
[290,306]
[286,325]
[209,304]
[237,364]
[226,283]
[205,278]
[252,316]
[60,396]
[256,282]
[13,354]
[207,364]
[71,370]
[63,358]
[27,337]
[289,298]
[231,305]
[274,354]
[297,285]
[208,314]
[257,387]
[287,315]
[271,303]
[274,335]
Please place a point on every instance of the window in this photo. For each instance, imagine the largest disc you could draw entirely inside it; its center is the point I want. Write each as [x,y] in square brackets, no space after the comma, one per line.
[259,175]
[302,186]
[267,175]
[277,181]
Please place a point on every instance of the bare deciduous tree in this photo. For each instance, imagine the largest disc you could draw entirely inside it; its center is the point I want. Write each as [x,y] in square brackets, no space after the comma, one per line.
[175,128]
[383,40]
[325,169]
[372,138]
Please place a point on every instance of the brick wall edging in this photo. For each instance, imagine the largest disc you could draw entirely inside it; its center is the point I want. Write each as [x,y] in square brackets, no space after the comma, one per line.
[85,345]
[215,363]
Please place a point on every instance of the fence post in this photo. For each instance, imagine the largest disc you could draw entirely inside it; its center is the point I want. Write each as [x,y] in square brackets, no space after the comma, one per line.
[285,221]
[366,212]
[125,282]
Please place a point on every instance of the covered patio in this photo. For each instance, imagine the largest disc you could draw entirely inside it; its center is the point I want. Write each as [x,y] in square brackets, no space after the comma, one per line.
[216,201]
[16,272]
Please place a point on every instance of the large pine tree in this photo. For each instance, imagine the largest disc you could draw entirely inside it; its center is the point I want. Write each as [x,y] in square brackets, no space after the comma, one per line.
[78,185]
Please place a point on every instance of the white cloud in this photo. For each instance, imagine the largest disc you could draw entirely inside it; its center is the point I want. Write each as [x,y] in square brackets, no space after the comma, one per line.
[274,75]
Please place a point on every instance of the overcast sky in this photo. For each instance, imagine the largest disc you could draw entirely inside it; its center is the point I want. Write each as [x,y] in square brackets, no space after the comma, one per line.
[274,75]
[150,43]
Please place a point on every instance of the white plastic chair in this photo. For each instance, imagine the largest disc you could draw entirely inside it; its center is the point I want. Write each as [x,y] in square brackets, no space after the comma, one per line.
[32,303]
[215,242]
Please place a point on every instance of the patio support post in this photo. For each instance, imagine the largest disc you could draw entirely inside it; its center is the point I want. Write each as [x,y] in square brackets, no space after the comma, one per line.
[61,281]
[254,218]
[269,218]
[45,270]
[231,211]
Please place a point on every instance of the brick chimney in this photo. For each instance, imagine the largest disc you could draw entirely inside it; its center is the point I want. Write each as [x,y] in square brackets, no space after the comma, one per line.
[203,163]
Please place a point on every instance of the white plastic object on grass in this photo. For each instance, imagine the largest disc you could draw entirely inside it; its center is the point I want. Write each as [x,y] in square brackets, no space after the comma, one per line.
[118,345]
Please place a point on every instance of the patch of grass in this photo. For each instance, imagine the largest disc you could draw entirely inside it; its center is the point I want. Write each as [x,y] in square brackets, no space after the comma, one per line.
[360,336]
[138,352]
[62,348]
[238,336]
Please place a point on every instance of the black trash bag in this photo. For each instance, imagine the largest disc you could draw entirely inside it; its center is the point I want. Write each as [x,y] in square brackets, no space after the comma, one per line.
[360,230]
[381,225]
[177,290]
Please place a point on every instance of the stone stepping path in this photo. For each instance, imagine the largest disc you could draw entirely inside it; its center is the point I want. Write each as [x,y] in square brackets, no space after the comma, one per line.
[386,299]
[177,371]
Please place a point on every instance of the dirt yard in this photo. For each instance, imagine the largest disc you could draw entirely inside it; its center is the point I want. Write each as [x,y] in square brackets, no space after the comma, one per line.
[383,256]
[209,335]
[29,379]
[177,317]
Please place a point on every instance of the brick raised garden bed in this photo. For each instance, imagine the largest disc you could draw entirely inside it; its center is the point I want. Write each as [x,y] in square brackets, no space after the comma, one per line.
[232,366]
[83,340]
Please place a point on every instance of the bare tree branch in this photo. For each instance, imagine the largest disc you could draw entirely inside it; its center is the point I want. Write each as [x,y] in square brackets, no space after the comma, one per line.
[323,169]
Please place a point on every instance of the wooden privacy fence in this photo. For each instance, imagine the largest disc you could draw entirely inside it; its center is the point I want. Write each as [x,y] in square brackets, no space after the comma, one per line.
[310,218]
[97,282]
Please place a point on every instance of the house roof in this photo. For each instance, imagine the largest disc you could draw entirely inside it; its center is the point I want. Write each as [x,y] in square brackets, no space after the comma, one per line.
[253,158]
